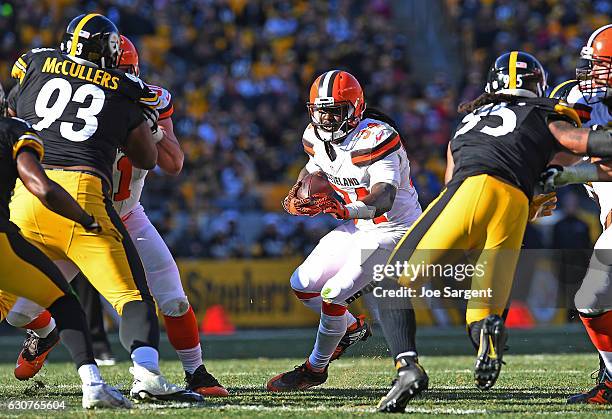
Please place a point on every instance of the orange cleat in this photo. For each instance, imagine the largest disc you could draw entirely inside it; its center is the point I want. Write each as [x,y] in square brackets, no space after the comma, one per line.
[33,354]
[202,382]
[600,394]
[302,377]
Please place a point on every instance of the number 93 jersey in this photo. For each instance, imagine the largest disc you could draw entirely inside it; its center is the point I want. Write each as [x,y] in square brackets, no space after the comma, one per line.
[372,153]
[82,112]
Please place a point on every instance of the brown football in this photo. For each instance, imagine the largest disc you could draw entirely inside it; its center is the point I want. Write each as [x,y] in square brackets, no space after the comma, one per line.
[314,183]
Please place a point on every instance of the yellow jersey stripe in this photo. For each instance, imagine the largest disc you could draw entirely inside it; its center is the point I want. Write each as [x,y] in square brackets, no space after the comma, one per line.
[34,144]
[512,65]
[22,63]
[556,89]
[77,31]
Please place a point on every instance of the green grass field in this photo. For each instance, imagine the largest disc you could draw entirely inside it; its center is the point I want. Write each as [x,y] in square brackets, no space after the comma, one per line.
[530,385]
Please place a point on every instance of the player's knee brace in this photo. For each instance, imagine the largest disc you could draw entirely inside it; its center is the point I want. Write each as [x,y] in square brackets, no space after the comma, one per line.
[175,307]
[18,319]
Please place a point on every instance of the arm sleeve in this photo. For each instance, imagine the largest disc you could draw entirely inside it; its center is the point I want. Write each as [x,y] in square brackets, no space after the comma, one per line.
[386,170]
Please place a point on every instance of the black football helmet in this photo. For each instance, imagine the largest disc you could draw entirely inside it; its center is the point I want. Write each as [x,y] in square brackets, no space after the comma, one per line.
[516,73]
[94,38]
[562,90]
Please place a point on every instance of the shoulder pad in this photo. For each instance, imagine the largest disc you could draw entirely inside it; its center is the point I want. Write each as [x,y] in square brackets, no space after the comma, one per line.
[135,89]
[381,139]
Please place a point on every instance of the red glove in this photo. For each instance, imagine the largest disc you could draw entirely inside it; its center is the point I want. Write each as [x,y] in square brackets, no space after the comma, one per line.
[329,205]
[295,206]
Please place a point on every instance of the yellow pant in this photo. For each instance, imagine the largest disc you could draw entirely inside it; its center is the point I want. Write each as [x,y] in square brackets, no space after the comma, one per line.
[26,272]
[482,214]
[109,260]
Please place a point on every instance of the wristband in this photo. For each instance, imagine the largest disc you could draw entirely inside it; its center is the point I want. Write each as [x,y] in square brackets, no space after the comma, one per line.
[599,143]
[360,210]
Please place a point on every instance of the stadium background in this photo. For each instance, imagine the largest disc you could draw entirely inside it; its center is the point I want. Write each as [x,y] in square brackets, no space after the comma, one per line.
[239,72]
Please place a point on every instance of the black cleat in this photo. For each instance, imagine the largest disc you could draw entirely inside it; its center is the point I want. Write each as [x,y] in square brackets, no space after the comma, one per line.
[301,377]
[490,352]
[411,380]
[361,332]
[202,382]
[600,394]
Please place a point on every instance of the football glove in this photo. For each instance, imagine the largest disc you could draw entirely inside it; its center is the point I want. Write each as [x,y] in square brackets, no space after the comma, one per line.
[542,205]
[295,206]
[550,178]
[151,116]
[330,205]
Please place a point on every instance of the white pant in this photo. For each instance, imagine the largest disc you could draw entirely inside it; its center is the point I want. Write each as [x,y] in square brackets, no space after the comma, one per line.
[595,293]
[162,273]
[342,263]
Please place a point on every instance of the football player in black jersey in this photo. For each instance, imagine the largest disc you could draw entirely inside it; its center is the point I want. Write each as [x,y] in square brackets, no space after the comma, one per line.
[84,110]
[495,158]
[20,151]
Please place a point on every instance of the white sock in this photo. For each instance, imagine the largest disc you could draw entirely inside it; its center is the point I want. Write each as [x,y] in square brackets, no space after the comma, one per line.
[190,358]
[315,305]
[350,319]
[146,357]
[43,332]
[90,374]
[331,330]
[607,357]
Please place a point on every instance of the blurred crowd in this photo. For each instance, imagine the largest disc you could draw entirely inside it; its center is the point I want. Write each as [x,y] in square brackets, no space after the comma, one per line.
[239,72]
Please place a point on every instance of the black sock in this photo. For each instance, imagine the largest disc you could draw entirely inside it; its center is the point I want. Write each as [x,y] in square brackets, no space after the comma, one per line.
[139,325]
[72,327]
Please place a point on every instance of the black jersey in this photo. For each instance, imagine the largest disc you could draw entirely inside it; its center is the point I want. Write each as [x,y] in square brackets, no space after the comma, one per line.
[15,135]
[82,112]
[507,140]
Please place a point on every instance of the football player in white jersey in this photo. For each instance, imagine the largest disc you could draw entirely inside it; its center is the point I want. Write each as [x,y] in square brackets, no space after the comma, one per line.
[365,162]
[592,98]
[161,271]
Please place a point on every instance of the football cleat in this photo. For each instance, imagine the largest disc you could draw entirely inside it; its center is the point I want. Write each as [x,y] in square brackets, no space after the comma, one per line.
[360,331]
[600,394]
[490,352]
[601,374]
[202,382]
[302,377]
[33,354]
[154,386]
[411,380]
[103,395]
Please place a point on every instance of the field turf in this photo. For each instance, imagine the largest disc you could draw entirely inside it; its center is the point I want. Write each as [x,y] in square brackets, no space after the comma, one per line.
[530,385]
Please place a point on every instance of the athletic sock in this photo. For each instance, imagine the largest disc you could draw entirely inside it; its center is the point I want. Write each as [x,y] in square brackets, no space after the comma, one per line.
[90,374]
[599,329]
[42,325]
[332,327]
[399,328]
[313,301]
[184,337]
[146,357]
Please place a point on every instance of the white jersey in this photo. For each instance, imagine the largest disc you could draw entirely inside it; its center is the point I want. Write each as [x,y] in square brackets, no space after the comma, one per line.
[594,114]
[128,180]
[370,154]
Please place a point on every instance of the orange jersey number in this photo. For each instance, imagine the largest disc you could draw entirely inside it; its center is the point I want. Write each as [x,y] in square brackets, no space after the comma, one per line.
[124,166]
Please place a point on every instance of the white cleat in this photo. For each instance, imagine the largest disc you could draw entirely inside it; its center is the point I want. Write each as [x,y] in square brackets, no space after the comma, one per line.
[154,386]
[103,395]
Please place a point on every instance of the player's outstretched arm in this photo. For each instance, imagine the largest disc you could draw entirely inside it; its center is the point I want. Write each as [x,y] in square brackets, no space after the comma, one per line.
[52,195]
[169,154]
[140,148]
[583,141]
